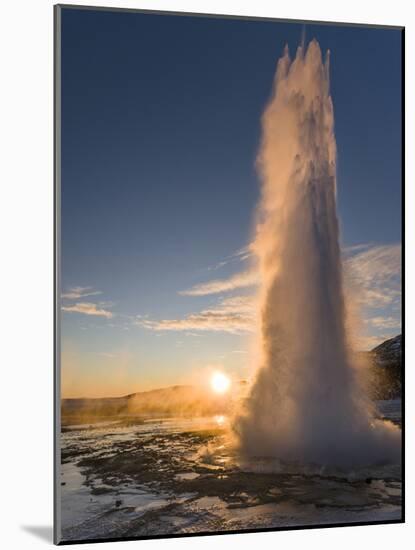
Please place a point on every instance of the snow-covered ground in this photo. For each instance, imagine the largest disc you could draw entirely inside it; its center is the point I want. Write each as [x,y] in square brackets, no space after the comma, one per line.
[162,476]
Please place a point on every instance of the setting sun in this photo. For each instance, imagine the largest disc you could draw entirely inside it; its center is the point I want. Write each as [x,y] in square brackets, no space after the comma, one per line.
[220,382]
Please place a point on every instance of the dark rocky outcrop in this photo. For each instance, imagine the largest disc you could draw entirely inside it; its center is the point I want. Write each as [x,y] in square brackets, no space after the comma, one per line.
[386,370]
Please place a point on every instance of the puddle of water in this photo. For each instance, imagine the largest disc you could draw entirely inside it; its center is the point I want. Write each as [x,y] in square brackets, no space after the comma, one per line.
[186,475]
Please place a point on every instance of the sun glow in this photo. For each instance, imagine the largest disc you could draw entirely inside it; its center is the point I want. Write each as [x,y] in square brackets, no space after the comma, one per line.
[219,382]
[220,419]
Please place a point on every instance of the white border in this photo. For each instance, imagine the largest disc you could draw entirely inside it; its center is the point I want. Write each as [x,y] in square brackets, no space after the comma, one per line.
[26,260]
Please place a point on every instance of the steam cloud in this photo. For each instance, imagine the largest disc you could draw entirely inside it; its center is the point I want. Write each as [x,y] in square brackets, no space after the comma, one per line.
[306,403]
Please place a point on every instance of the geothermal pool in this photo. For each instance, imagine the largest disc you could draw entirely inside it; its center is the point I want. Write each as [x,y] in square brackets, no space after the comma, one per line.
[135,477]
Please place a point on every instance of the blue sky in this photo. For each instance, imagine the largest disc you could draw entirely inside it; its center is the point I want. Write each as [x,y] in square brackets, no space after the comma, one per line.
[160,129]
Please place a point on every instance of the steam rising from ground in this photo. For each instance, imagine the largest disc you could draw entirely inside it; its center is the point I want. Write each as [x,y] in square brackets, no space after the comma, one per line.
[306,404]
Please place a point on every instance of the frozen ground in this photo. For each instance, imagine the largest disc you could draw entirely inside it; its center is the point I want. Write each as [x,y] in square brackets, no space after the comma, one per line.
[134,477]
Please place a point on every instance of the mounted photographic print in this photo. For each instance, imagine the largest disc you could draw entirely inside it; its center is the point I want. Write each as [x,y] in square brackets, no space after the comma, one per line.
[229,355]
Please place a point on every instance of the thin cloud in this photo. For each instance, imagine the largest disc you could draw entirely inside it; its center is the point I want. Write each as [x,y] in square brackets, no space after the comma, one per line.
[88,308]
[385,323]
[240,255]
[243,253]
[376,273]
[233,315]
[374,270]
[243,279]
[78,292]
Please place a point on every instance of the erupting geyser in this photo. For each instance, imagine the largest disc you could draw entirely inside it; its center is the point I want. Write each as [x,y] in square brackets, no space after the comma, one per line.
[306,404]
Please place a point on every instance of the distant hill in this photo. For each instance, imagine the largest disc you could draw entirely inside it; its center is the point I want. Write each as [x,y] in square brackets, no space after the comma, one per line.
[173,400]
[386,369]
[389,352]
[383,376]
